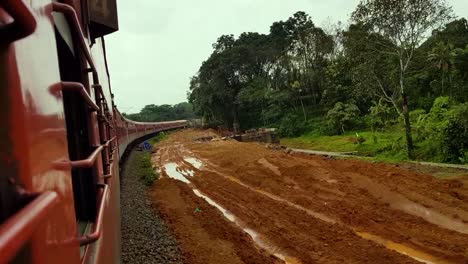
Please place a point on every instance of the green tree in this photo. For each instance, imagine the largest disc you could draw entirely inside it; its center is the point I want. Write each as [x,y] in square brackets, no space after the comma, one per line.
[405,23]
[442,58]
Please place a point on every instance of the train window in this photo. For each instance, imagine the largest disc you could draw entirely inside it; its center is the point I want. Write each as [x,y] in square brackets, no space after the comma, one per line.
[79,147]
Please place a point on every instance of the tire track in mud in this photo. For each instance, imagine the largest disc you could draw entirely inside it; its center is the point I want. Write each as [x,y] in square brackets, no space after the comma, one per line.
[289,225]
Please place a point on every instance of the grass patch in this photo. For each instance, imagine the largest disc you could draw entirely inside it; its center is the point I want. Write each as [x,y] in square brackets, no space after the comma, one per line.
[381,146]
[144,168]
[159,137]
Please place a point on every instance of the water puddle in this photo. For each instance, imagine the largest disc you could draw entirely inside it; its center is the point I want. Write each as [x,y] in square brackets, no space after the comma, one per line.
[173,172]
[402,249]
[400,202]
[197,164]
[262,243]
[225,212]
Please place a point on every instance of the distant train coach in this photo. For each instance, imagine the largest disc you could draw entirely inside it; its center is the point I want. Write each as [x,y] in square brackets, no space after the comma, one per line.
[61,136]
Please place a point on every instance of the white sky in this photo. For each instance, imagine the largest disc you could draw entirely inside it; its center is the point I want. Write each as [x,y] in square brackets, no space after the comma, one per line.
[162,43]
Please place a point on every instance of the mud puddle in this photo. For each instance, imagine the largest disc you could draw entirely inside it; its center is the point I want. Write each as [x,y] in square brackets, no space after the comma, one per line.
[400,202]
[172,171]
[256,237]
[197,164]
[402,249]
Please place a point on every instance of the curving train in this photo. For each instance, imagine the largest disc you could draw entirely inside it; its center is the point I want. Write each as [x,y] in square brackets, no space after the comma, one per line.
[61,135]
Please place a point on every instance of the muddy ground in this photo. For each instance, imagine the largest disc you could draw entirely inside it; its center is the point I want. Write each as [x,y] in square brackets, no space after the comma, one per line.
[231,202]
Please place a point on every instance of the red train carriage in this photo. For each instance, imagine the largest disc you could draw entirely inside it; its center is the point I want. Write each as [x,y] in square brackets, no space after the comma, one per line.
[61,136]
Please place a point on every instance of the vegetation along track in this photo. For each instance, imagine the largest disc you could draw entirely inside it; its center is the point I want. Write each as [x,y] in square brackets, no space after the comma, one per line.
[232,202]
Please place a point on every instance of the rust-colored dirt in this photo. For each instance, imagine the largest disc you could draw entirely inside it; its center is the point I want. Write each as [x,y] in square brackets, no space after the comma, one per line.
[304,209]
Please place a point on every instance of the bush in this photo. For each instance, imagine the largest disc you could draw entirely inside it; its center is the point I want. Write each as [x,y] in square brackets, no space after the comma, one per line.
[455,135]
[380,115]
[159,137]
[417,118]
[145,169]
[444,131]
[342,116]
[292,125]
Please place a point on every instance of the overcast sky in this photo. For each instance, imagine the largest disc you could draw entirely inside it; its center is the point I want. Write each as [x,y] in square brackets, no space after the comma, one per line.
[162,43]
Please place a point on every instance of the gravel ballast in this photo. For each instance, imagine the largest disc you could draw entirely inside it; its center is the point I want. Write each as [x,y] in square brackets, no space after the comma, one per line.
[145,237]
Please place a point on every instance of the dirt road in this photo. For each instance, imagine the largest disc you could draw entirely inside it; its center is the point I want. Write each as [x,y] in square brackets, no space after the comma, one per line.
[231,202]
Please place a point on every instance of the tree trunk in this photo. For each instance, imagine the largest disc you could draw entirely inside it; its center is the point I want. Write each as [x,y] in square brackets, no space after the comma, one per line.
[409,139]
[235,124]
[303,109]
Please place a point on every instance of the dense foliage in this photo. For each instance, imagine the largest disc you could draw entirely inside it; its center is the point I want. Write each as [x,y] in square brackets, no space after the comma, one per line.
[158,113]
[388,70]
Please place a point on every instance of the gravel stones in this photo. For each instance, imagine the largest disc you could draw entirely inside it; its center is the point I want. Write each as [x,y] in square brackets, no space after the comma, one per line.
[145,237]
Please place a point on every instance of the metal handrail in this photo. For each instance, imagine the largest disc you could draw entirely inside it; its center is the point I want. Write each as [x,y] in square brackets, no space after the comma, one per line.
[18,229]
[109,141]
[108,176]
[23,25]
[77,87]
[89,162]
[97,230]
[70,13]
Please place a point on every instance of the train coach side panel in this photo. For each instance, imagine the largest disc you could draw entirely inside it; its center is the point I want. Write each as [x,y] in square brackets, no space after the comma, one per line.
[35,134]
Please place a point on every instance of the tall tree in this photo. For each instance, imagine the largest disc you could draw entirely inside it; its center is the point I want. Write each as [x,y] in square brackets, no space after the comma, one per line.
[406,23]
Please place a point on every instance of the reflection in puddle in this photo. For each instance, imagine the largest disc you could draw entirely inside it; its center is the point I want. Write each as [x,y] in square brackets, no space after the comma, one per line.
[225,212]
[254,235]
[195,163]
[402,249]
[173,172]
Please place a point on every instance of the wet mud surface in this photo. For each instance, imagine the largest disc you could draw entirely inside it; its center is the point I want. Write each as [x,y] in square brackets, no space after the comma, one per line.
[232,202]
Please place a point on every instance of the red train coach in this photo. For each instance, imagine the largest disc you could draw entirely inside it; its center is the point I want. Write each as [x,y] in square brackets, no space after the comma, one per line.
[61,136]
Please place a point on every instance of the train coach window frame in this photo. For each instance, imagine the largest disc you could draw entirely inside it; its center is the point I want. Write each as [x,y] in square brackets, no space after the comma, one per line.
[84,180]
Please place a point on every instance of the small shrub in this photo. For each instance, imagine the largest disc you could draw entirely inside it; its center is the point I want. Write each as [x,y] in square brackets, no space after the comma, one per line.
[159,137]
[380,115]
[146,171]
[291,126]
[342,116]
[359,139]
[455,135]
